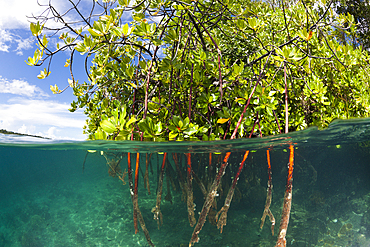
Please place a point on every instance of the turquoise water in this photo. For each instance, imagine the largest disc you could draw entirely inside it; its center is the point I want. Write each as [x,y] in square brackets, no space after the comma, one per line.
[55,193]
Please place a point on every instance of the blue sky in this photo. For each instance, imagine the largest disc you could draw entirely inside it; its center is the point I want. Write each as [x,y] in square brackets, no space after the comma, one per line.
[26,103]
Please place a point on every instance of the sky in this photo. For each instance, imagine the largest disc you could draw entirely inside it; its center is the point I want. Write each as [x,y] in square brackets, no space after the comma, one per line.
[26,103]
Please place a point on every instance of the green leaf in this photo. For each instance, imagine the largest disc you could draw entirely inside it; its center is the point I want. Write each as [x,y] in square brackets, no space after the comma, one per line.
[129,122]
[202,55]
[146,125]
[172,135]
[54,89]
[178,7]
[138,16]
[124,3]
[269,111]
[30,61]
[176,120]
[108,126]
[117,31]
[304,34]
[98,27]
[130,72]
[36,57]
[252,22]
[43,74]
[36,29]
[158,128]
[45,41]
[80,47]
[241,100]
[95,32]
[123,136]
[186,122]
[123,113]
[190,131]
[202,129]
[241,24]
[142,64]
[126,30]
[100,135]
[157,42]
[181,124]
[173,128]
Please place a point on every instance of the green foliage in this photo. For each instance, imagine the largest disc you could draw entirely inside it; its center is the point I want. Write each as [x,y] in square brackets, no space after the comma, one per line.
[190,76]
[355,11]
[115,125]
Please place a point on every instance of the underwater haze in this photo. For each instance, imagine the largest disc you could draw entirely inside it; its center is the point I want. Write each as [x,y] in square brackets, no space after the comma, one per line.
[60,193]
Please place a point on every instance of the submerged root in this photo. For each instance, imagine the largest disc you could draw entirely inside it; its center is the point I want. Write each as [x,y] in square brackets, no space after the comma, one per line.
[267,211]
[209,201]
[221,222]
[157,216]
[142,223]
[281,242]
[157,209]
[189,192]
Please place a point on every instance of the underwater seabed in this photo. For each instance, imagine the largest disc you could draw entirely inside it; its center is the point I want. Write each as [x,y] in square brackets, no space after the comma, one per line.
[62,195]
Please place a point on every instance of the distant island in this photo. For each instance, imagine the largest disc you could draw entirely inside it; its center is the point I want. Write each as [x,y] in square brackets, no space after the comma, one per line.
[6,132]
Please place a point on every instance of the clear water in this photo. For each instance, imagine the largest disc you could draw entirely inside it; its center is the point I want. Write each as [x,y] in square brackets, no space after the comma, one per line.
[50,197]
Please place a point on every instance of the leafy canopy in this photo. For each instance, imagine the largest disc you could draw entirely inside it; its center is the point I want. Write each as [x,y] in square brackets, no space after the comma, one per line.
[207,68]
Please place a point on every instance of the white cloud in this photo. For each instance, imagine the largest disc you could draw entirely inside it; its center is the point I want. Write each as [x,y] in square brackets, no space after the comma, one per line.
[42,117]
[51,132]
[24,130]
[13,14]
[48,132]
[20,87]
[24,44]
[5,39]
[40,112]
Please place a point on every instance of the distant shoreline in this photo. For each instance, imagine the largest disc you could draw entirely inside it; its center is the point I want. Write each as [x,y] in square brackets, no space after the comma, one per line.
[6,132]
